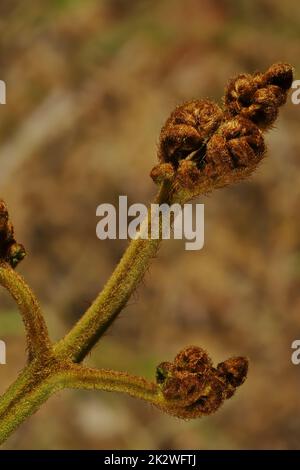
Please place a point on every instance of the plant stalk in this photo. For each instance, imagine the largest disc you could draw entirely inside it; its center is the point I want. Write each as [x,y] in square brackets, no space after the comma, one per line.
[38,342]
[113,298]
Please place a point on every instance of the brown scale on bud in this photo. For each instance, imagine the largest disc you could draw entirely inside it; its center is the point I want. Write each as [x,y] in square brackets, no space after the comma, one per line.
[10,251]
[203,147]
[162,172]
[192,387]
[193,359]
[257,97]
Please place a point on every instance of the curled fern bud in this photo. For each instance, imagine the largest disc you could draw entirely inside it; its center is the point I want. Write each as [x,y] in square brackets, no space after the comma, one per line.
[239,143]
[234,372]
[192,387]
[203,147]
[279,74]
[179,386]
[193,359]
[257,97]
[10,251]
[187,130]
[232,153]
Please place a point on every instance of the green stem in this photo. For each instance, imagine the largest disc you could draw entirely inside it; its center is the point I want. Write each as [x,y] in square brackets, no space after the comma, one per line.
[52,369]
[112,381]
[37,382]
[38,342]
[109,303]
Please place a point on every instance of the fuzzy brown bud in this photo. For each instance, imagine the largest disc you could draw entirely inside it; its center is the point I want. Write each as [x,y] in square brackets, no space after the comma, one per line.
[233,372]
[192,387]
[10,251]
[203,147]
[162,172]
[232,153]
[193,359]
[237,144]
[257,97]
[279,74]
[187,130]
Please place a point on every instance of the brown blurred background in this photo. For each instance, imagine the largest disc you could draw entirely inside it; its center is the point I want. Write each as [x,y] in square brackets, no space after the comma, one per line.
[89,85]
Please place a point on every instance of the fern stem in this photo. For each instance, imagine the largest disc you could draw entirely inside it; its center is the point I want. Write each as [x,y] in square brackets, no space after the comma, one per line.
[38,342]
[113,298]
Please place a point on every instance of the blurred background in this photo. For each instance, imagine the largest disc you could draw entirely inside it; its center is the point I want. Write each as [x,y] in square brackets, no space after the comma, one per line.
[89,85]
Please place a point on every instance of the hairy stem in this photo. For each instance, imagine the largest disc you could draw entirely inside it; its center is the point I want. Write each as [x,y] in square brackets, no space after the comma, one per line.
[38,382]
[35,384]
[38,342]
[112,381]
[109,303]
[53,369]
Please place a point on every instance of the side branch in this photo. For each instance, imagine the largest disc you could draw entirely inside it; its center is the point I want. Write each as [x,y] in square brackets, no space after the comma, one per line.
[77,376]
[188,387]
[38,342]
